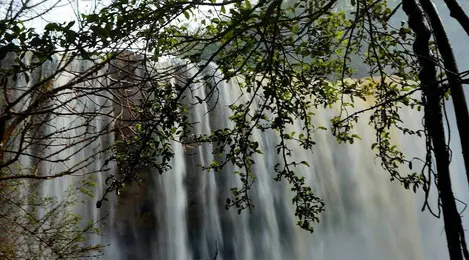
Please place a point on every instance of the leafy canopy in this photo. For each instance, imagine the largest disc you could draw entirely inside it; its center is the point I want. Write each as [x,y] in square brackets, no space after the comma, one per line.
[293,59]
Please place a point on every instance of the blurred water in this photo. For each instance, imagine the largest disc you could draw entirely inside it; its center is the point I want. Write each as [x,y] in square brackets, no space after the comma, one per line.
[181,215]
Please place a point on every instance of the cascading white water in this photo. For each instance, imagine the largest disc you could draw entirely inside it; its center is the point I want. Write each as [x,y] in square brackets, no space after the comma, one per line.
[366,217]
[180,215]
[70,138]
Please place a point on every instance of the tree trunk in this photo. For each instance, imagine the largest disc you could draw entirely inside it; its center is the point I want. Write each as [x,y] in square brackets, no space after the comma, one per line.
[458,13]
[452,71]
[431,98]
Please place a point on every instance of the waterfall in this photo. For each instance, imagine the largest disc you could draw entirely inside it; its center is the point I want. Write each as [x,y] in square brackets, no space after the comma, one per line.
[181,214]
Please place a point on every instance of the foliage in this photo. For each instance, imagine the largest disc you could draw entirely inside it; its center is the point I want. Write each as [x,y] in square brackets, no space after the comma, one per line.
[285,55]
[292,59]
[34,226]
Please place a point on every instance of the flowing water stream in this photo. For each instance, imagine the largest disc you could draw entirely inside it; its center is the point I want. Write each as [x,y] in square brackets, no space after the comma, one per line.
[180,215]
